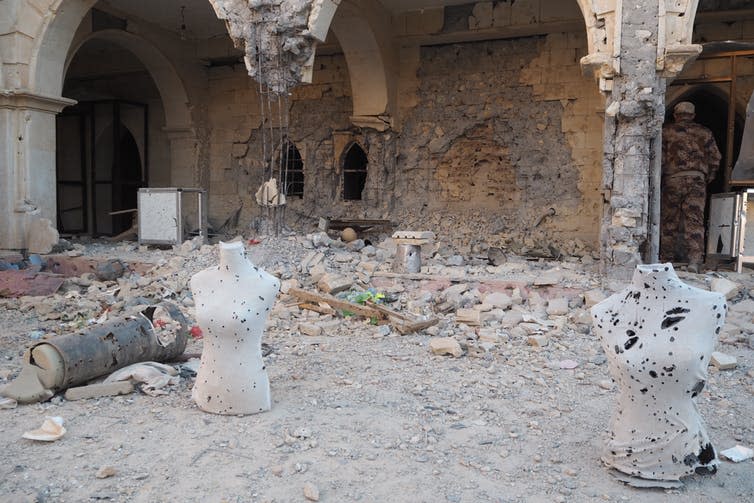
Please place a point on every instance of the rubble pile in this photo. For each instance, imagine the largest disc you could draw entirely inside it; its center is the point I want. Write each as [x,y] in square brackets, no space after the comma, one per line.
[507,377]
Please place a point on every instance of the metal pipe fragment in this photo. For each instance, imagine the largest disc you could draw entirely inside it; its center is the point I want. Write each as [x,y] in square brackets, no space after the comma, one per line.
[159,333]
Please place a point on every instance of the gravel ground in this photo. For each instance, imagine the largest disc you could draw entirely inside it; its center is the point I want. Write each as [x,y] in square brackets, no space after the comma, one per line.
[361,413]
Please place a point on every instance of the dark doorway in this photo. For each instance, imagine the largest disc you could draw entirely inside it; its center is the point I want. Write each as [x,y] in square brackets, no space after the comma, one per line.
[712,112]
[102,160]
[354,172]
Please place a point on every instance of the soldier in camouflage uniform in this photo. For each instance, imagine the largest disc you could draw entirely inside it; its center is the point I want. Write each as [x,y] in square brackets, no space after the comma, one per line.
[690,160]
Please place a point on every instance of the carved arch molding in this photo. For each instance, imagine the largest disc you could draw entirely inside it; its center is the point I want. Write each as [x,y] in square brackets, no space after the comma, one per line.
[603,26]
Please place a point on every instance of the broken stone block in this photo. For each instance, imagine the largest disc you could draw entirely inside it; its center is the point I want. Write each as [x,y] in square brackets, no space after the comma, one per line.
[321,239]
[593,297]
[726,287]
[496,256]
[499,300]
[538,341]
[468,316]
[317,272]
[455,261]
[548,278]
[723,361]
[334,283]
[310,329]
[311,492]
[99,390]
[512,319]
[557,307]
[489,335]
[41,236]
[312,259]
[445,346]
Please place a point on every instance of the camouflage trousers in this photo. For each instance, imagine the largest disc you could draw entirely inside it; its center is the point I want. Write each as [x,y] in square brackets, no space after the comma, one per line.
[682,210]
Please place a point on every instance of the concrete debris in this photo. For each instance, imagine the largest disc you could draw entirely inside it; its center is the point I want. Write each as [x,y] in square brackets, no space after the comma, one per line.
[723,361]
[726,287]
[52,429]
[737,454]
[445,346]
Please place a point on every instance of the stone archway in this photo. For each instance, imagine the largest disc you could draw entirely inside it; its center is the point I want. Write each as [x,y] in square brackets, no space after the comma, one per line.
[172,91]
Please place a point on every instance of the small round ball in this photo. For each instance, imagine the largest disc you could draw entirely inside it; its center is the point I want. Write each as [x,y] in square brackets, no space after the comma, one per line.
[348,235]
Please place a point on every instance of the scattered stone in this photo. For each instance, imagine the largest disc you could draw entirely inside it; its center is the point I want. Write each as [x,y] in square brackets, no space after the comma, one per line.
[105,472]
[321,239]
[496,256]
[605,384]
[445,346]
[99,390]
[723,361]
[311,492]
[557,307]
[310,329]
[498,300]
[726,287]
[489,335]
[468,317]
[538,341]
[334,283]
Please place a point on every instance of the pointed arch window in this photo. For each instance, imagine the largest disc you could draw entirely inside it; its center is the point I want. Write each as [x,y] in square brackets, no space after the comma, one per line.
[293,171]
[354,172]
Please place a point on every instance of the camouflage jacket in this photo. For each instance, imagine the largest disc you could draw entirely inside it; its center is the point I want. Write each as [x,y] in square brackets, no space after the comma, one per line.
[688,146]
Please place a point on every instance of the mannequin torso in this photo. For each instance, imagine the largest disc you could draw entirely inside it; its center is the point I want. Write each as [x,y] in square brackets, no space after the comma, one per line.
[658,335]
[232,303]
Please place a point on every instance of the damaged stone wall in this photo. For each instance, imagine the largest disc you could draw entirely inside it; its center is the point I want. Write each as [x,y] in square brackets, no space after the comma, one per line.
[490,140]
[237,168]
[495,142]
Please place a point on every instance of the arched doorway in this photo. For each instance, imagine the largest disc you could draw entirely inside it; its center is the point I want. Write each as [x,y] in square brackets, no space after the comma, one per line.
[355,163]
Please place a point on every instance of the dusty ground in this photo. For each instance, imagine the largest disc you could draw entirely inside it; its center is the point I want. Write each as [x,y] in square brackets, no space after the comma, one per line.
[362,415]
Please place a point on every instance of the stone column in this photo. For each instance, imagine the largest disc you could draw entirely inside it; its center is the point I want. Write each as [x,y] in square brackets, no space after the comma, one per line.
[27,162]
[633,123]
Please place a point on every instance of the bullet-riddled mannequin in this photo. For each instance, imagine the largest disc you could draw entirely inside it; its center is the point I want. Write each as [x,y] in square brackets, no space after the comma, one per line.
[658,335]
[232,302]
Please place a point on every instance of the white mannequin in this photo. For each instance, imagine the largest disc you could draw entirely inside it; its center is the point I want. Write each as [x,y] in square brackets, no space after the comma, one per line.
[232,302]
[658,335]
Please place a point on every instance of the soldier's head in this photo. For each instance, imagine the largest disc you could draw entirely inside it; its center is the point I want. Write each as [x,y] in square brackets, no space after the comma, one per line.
[684,111]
